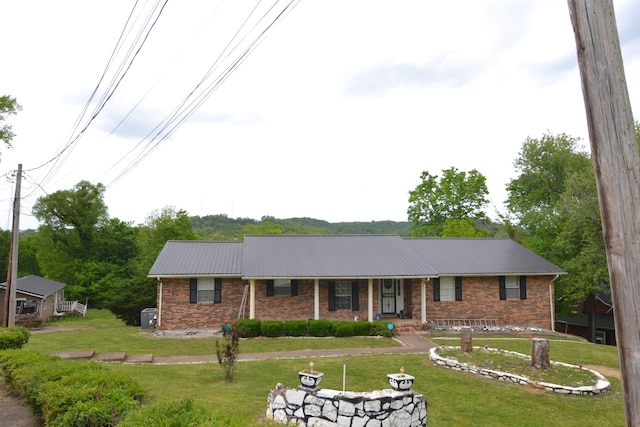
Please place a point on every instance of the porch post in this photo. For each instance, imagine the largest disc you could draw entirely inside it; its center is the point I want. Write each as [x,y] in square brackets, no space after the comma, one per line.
[252,299]
[316,299]
[370,300]
[423,300]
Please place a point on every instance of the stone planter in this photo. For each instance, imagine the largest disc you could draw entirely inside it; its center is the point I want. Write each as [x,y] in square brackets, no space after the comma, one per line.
[310,379]
[400,382]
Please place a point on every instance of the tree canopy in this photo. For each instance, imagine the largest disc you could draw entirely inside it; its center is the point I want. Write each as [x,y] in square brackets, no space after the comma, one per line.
[8,106]
[454,201]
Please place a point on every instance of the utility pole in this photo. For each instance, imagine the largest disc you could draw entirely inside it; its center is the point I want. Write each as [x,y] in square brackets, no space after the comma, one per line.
[9,318]
[616,160]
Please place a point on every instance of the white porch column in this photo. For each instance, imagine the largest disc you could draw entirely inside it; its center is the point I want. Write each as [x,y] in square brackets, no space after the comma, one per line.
[370,300]
[423,300]
[316,299]
[252,299]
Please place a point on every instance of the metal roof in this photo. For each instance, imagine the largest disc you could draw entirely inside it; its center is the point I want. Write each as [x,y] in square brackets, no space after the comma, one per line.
[331,256]
[347,256]
[198,258]
[481,256]
[36,285]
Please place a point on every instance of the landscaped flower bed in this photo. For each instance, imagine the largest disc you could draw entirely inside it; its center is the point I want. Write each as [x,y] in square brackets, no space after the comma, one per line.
[598,384]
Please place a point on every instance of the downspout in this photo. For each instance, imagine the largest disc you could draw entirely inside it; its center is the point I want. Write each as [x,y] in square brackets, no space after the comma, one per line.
[423,300]
[552,303]
[159,319]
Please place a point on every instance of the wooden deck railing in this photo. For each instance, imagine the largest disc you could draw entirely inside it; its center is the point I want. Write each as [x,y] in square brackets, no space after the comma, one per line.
[72,307]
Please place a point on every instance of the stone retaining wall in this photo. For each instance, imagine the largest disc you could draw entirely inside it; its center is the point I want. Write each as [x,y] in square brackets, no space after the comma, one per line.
[305,407]
[602,385]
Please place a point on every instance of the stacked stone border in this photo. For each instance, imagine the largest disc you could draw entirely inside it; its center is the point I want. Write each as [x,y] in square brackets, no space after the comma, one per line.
[303,407]
[601,386]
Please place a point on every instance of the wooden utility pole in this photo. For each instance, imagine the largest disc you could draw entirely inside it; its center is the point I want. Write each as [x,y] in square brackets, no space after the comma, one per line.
[9,318]
[616,159]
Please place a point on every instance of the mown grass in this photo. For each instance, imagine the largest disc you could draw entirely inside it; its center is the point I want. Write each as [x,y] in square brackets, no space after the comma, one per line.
[454,398]
[102,332]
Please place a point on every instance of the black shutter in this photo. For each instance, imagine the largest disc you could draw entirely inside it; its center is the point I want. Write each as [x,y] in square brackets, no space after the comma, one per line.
[332,296]
[458,288]
[294,288]
[436,289]
[217,290]
[355,297]
[270,288]
[503,289]
[523,287]
[193,291]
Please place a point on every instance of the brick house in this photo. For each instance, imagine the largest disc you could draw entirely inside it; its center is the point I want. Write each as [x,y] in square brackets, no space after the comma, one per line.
[204,284]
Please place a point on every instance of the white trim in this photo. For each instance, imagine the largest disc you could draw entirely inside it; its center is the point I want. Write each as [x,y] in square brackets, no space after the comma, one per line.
[423,299]
[370,300]
[252,299]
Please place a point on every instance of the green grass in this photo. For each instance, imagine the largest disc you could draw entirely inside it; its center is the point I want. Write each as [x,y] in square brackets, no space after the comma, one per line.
[454,398]
[104,333]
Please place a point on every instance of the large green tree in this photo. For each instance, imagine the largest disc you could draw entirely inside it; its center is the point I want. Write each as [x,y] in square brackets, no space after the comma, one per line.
[448,205]
[78,244]
[128,297]
[8,107]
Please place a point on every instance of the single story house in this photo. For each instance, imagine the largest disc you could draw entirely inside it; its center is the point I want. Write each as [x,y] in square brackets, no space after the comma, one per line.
[204,284]
[36,297]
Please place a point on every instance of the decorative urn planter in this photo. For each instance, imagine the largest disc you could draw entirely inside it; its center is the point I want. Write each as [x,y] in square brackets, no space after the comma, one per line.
[400,382]
[309,378]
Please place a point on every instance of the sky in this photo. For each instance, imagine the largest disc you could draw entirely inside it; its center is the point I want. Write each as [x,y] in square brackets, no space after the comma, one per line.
[331,109]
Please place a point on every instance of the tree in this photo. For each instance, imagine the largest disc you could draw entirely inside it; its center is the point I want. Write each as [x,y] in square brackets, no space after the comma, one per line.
[8,107]
[126,298]
[456,196]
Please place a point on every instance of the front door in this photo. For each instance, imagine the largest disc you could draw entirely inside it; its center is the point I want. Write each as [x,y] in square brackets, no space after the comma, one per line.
[389,288]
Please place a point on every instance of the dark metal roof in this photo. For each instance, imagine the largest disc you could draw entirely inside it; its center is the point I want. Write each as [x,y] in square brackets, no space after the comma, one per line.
[331,256]
[36,285]
[198,258]
[603,321]
[347,256]
[465,256]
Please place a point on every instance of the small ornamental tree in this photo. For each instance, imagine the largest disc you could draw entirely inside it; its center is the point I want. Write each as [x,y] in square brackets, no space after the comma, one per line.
[228,352]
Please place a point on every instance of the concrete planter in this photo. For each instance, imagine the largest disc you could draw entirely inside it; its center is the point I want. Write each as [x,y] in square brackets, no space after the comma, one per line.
[400,382]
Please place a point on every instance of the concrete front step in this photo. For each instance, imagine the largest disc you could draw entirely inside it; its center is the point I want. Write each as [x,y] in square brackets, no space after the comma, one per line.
[119,356]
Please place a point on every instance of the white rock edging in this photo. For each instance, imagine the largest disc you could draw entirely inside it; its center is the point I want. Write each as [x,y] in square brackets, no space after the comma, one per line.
[602,385]
[305,407]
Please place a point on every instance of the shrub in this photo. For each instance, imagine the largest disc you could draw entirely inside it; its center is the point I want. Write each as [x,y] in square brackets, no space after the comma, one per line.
[228,353]
[14,337]
[362,328]
[296,328]
[272,328]
[182,413]
[381,328]
[248,328]
[70,392]
[319,328]
[344,329]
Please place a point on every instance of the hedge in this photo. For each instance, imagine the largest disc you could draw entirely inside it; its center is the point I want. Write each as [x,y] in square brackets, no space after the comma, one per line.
[248,328]
[272,328]
[14,337]
[319,328]
[296,328]
[70,392]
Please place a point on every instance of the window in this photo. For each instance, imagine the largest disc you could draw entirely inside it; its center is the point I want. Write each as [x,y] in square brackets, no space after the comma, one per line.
[447,288]
[344,295]
[205,289]
[282,287]
[513,287]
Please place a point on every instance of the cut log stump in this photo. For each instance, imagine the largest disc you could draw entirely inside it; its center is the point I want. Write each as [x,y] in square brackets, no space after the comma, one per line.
[540,353]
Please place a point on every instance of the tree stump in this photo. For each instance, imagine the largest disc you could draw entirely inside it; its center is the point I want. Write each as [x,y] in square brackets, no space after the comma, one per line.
[540,354]
[465,342]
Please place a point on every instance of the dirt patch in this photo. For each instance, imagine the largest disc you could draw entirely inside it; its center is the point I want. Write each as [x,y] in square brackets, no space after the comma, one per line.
[605,370]
[14,412]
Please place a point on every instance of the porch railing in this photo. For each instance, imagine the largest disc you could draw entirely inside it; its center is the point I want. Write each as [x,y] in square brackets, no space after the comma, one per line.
[72,307]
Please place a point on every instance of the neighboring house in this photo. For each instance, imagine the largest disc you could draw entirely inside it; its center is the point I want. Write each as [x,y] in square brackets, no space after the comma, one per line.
[578,324]
[204,284]
[36,298]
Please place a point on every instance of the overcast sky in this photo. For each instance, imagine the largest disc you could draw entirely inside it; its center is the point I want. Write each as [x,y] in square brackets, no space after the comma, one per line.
[333,115]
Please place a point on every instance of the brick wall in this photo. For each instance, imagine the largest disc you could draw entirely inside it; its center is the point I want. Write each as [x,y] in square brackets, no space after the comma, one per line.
[481,300]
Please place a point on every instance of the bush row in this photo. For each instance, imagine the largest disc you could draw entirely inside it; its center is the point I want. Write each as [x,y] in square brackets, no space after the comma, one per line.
[248,328]
[69,392]
[14,337]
